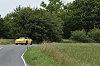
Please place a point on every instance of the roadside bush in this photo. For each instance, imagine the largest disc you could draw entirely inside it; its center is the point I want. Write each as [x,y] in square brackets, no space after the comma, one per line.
[95,34]
[80,36]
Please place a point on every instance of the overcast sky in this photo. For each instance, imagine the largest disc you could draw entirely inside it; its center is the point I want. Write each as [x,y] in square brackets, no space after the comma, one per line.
[7,6]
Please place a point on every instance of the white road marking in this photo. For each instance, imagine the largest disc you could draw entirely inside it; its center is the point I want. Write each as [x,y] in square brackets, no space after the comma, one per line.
[23,58]
[1,47]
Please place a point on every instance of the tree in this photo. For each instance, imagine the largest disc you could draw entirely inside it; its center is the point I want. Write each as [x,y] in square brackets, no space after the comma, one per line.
[82,14]
[54,6]
[37,24]
[3,28]
[17,21]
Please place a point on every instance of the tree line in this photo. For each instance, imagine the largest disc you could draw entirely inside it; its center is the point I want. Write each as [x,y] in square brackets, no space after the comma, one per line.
[51,22]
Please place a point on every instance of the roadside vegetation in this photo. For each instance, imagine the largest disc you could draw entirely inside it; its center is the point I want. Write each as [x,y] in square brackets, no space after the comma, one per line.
[64,54]
[35,57]
[6,41]
[77,21]
[92,36]
[53,22]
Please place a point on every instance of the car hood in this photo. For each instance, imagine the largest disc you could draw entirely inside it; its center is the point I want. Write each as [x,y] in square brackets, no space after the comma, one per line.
[20,39]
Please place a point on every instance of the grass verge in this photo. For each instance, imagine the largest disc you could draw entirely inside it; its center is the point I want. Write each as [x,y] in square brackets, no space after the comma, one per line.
[6,41]
[35,57]
[64,54]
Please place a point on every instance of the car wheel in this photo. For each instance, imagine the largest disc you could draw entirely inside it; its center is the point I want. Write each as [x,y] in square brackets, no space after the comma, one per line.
[22,44]
[26,43]
[31,43]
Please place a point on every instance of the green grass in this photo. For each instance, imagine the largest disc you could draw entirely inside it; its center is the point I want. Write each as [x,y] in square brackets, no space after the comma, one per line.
[64,54]
[35,57]
[6,41]
[86,53]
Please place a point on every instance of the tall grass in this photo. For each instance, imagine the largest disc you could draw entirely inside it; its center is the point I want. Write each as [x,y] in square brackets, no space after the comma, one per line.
[34,57]
[66,54]
[6,41]
[87,53]
[61,56]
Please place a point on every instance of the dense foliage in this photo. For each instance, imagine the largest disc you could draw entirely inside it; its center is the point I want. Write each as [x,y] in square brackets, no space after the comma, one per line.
[3,28]
[80,36]
[81,14]
[37,24]
[52,21]
[95,34]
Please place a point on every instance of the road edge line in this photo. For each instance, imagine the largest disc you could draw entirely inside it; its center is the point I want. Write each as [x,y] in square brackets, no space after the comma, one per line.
[23,58]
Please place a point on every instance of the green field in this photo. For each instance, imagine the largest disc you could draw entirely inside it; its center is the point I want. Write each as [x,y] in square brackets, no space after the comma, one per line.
[6,41]
[64,54]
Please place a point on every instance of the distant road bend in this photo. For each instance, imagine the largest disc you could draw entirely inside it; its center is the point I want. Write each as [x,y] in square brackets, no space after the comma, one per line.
[12,55]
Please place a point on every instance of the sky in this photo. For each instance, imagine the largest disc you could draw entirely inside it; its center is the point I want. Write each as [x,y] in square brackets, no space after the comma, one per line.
[7,6]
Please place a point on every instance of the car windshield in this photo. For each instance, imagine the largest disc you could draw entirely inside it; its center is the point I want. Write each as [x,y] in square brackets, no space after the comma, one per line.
[23,38]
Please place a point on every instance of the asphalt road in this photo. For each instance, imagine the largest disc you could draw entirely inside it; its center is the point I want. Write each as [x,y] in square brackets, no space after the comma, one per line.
[12,55]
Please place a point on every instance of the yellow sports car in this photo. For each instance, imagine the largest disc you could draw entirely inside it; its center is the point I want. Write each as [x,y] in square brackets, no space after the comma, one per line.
[23,40]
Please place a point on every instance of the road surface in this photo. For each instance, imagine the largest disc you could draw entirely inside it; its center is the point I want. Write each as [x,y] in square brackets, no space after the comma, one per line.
[11,55]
